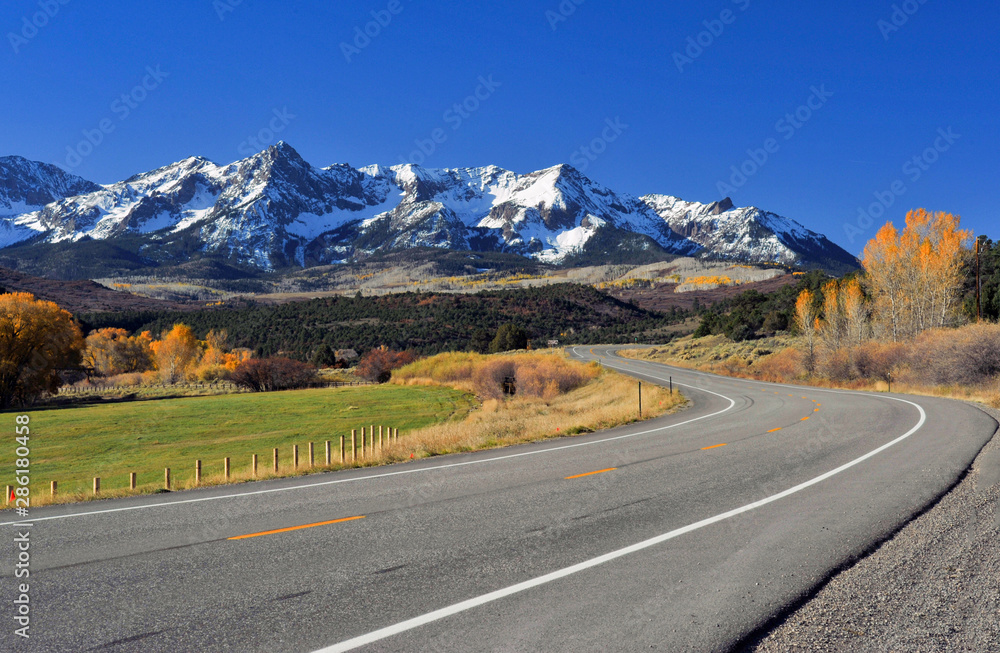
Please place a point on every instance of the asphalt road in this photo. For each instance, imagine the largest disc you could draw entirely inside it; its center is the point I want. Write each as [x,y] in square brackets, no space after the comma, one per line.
[704,525]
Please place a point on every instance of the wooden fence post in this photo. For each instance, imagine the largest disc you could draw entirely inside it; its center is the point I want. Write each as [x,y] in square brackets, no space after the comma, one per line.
[275,460]
[166,478]
[363,439]
[52,488]
[97,485]
[295,456]
[354,449]
[253,465]
[225,468]
[380,438]
[131,480]
[341,450]
[329,453]
[312,459]
[6,496]
[197,472]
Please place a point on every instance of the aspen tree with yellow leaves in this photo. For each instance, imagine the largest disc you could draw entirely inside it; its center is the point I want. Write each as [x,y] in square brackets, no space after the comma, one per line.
[915,276]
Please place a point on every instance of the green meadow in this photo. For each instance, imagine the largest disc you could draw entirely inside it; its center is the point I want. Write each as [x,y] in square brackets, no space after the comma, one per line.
[73,445]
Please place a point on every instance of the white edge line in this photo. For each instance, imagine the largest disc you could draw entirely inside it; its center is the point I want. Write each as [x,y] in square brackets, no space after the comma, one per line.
[456,608]
[732,404]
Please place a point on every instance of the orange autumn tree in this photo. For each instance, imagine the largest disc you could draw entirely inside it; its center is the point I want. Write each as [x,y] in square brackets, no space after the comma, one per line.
[219,360]
[856,312]
[833,326]
[175,353]
[915,275]
[113,351]
[806,316]
[37,340]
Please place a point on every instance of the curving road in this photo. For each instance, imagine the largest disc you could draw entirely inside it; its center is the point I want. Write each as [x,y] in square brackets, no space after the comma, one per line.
[696,530]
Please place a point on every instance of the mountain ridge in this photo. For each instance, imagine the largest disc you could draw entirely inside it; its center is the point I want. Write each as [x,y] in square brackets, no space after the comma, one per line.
[274,210]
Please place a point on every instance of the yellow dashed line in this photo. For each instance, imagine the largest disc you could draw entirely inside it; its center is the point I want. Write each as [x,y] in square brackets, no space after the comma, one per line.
[296,528]
[600,471]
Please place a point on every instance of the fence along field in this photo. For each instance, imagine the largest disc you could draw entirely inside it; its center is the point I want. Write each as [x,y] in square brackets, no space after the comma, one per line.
[110,441]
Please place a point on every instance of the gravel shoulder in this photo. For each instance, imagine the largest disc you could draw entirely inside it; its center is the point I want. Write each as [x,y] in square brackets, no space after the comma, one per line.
[934,586]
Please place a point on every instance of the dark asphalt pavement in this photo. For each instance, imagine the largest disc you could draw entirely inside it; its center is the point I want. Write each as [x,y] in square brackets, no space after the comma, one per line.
[679,547]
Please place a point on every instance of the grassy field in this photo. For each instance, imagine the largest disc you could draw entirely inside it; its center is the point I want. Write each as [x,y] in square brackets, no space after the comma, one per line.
[73,445]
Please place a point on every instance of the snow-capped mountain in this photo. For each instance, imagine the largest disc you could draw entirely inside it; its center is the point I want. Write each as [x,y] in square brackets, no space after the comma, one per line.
[274,210]
[27,186]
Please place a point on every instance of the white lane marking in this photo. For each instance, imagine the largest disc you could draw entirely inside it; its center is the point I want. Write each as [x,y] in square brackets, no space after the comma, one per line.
[732,404]
[463,606]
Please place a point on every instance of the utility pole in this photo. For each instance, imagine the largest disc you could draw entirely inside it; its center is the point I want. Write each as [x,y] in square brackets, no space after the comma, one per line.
[979,285]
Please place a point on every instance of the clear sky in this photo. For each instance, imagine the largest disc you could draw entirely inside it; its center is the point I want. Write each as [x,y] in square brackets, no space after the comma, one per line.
[646,97]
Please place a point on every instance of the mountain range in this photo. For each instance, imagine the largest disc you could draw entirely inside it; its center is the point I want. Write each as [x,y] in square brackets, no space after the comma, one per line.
[273,211]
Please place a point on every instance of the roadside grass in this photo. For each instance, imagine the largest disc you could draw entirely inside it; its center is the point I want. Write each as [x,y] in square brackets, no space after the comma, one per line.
[600,399]
[778,359]
[73,445]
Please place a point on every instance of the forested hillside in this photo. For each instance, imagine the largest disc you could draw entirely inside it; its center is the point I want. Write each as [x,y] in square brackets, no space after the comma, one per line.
[425,323]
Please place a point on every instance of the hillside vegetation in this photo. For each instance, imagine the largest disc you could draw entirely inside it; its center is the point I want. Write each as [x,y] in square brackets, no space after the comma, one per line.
[423,322]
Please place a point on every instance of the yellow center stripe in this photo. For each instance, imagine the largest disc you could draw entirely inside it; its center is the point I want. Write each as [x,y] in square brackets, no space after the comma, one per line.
[600,471]
[773,430]
[296,528]
[714,446]
[804,418]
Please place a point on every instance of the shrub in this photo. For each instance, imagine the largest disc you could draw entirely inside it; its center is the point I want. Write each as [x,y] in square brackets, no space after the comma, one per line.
[838,366]
[378,364]
[967,356]
[268,374]
[876,360]
[784,366]
[488,378]
[535,375]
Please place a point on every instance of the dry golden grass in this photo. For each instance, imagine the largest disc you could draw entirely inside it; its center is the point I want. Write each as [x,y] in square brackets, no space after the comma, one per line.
[607,401]
[564,398]
[780,360]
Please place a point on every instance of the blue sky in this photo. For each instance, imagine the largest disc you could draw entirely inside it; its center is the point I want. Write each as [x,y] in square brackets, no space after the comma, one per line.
[705,98]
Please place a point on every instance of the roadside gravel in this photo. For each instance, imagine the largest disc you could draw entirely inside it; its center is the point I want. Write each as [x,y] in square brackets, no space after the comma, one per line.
[935,586]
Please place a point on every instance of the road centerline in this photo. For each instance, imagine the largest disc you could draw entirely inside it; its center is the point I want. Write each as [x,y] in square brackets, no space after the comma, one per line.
[295,528]
[600,471]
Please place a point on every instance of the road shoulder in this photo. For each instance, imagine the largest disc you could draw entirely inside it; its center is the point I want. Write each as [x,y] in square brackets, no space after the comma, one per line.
[934,586]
